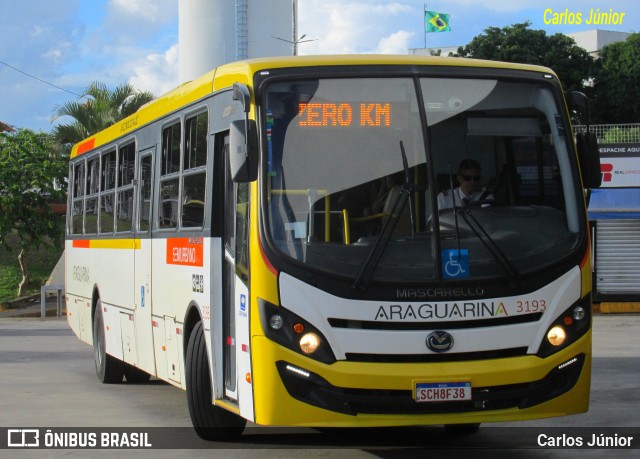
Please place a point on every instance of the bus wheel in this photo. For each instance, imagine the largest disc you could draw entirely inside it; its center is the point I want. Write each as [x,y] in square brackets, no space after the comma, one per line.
[109,369]
[461,429]
[135,375]
[209,421]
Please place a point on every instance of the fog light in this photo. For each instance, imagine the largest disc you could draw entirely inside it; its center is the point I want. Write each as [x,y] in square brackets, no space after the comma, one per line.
[579,313]
[556,336]
[309,343]
[275,322]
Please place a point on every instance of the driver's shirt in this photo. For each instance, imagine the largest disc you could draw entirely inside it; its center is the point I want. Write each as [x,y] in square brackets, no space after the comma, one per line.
[447,197]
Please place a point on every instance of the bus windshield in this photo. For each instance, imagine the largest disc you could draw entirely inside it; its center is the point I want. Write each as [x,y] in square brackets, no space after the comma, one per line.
[367,174]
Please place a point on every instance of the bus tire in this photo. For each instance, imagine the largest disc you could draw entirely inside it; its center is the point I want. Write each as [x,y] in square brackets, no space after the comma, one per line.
[135,375]
[109,369]
[210,422]
[462,429]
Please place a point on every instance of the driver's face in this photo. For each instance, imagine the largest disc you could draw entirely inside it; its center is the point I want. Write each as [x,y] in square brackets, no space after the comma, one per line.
[469,181]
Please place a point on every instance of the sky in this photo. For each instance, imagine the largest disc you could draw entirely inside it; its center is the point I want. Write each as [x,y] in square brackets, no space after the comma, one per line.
[64,45]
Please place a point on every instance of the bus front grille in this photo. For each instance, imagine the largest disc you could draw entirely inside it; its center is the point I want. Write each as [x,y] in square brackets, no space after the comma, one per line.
[448,357]
[312,389]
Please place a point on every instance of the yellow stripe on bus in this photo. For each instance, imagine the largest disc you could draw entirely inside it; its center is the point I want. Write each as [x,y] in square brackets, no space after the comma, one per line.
[108,244]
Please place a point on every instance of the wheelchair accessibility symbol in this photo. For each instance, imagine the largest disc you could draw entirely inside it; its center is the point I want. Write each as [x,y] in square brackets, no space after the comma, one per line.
[455,263]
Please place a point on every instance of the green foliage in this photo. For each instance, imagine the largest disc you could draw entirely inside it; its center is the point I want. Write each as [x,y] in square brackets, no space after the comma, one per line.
[41,262]
[617,87]
[98,109]
[620,135]
[518,43]
[32,175]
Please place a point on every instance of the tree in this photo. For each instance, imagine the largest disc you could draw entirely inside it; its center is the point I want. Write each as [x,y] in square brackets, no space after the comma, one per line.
[97,109]
[31,176]
[518,43]
[617,82]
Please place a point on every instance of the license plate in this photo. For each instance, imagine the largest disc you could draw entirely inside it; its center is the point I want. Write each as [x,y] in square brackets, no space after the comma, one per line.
[443,392]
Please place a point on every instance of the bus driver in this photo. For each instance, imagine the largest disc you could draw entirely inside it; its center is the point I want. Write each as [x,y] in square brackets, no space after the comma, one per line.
[469,188]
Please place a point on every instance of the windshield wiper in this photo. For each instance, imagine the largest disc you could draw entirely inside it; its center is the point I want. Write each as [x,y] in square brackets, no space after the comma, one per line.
[373,258]
[408,184]
[515,279]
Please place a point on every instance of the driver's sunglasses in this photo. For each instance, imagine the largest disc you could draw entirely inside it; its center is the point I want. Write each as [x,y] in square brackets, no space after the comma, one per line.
[470,178]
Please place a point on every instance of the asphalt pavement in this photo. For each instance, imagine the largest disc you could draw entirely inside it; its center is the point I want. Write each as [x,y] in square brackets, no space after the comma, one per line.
[47,381]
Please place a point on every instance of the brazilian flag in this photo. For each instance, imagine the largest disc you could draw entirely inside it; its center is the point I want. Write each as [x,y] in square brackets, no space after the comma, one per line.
[437,22]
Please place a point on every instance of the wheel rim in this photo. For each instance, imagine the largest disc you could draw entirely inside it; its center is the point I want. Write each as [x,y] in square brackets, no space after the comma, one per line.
[99,347]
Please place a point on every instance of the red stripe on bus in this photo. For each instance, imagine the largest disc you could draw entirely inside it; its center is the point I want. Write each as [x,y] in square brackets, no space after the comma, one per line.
[587,255]
[86,146]
[82,244]
[268,264]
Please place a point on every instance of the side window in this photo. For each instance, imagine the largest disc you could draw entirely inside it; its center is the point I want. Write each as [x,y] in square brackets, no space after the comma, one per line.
[91,202]
[107,196]
[196,142]
[194,177]
[126,175]
[77,205]
[171,149]
[144,206]
[169,177]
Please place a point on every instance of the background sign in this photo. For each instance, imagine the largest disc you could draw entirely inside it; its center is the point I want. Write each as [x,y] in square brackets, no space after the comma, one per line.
[620,165]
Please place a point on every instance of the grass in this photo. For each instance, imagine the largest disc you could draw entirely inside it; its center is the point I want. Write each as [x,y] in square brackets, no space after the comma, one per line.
[39,262]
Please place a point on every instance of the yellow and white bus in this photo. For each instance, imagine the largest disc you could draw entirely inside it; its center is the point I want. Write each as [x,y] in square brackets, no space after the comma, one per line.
[267,237]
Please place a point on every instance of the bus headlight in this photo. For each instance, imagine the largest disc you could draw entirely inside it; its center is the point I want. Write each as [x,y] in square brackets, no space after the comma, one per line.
[556,336]
[309,343]
[293,332]
[567,328]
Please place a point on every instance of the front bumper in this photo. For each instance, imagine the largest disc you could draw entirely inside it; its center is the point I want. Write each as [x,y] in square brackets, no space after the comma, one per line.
[290,389]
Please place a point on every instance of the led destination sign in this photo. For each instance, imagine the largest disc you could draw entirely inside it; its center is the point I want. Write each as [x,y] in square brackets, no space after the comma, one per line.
[351,114]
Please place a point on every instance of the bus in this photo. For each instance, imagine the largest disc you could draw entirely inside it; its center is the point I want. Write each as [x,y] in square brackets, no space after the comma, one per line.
[267,238]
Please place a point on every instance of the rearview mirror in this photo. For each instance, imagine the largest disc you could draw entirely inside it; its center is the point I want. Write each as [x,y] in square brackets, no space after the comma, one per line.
[243,151]
[589,156]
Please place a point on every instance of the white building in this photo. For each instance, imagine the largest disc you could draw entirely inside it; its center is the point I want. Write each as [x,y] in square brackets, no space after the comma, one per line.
[591,40]
[594,40]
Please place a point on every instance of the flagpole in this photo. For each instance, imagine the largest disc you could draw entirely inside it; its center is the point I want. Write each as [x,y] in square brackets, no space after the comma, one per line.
[424,24]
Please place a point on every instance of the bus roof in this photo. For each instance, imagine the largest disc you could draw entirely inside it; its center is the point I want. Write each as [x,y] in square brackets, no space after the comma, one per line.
[243,71]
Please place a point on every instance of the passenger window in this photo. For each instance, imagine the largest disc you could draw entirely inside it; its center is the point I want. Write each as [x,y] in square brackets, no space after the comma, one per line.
[91,203]
[194,178]
[108,171]
[193,195]
[77,206]
[168,211]
[107,195]
[196,142]
[127,167]
[168,204]
[126,175]
[171,149]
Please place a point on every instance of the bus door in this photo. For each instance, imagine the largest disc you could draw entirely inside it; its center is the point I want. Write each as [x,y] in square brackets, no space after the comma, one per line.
[142,312]
[235,275]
